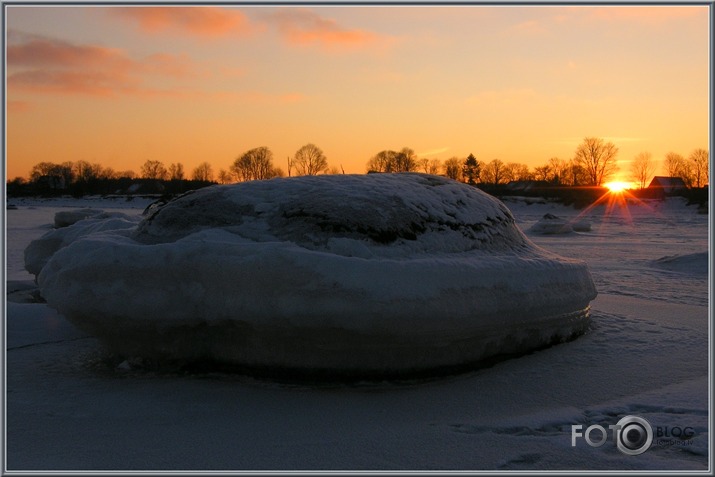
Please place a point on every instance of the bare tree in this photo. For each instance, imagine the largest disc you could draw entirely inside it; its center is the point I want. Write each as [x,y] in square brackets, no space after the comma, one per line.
[310,160]
[575,174]
[176,171]
[699,163]
[406,160]
[493,172]
[435,165]
[224,177]
[383,161]
[86,172]
[61,174]
[598,158]
[203,172]
[559,170]
[128,174]
[642,169]
[453,168]
[674,164]
[393,161]
[542,173]
[255,164]
[153,170]
[686,173]
[108,173]
[513,171]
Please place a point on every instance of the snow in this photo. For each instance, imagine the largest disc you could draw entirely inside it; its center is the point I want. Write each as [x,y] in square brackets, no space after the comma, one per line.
[551,224]
[365,274]
[69,217]
[69,408]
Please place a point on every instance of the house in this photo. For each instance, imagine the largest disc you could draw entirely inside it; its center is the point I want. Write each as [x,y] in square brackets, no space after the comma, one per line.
[661,186]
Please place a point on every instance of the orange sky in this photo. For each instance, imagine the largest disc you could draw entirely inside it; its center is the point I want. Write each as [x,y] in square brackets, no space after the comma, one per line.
[121,85]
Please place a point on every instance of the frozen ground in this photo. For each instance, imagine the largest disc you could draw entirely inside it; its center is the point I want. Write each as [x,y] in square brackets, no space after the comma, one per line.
[646,355]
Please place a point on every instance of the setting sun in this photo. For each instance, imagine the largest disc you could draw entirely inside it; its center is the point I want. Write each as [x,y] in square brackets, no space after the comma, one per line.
[119,86]
[618,186]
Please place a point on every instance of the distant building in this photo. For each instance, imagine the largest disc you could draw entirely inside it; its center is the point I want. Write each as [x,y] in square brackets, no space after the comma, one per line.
[526,186]
[661,186]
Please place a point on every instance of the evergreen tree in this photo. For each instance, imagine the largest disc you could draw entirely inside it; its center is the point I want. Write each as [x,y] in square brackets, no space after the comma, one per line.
[471,170]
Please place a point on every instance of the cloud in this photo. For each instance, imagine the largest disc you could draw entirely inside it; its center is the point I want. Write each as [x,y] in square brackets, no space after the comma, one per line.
[15,106]
[652,15]
[34,51]
[302,27]
[527,28]
[196,21]
[501,98]
[296,26]
[433,152]
[49,65]
[256,97]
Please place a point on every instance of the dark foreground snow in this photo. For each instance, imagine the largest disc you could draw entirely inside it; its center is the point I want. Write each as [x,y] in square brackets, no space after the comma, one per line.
[70,407]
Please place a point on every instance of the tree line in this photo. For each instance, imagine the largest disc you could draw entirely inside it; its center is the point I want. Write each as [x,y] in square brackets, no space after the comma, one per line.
[593,163]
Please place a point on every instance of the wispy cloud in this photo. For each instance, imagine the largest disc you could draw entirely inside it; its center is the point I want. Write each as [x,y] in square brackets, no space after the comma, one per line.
[196,21]
[527,28]
[49,65]
[296,26]
[257,97]
[303,27]
[506,97]
[432,152]
[652,15]
[16,106]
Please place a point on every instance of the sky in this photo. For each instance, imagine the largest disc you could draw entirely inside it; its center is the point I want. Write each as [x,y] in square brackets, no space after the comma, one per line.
[120,85]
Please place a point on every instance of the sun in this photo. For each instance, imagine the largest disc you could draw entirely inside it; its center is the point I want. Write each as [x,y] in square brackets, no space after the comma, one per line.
[617,186]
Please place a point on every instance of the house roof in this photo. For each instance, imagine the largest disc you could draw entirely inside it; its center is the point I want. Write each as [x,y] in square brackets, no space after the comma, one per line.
[668,184]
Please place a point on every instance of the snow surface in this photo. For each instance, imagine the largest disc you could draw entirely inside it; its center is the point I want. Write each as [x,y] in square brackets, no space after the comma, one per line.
[383,273]
[70,407]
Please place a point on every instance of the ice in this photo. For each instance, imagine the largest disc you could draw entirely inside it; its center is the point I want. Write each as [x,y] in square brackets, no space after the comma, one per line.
[551,224]
[69,217]
[41,250]
[685,263]
[372,274]
[69,409]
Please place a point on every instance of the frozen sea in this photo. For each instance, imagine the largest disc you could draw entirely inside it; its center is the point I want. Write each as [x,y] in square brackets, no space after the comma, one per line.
[646,355]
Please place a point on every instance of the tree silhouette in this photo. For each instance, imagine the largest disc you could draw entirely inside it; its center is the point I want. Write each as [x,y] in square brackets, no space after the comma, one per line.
[406,160]
[176,172]
[309,160]
[699,163]
[493,172]
[471,170]
[153,170]
[203,172]
[598,158]
[542,173]
[642,169]
[453,168]
[255,164]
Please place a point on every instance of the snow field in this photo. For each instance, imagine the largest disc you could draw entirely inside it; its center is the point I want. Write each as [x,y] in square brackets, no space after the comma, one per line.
[646,354]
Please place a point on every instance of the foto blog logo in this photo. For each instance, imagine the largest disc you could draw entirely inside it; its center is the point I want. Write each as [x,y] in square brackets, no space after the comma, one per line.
[633,435]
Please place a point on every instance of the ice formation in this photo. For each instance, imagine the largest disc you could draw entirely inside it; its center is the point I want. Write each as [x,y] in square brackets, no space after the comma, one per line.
[66,218]
[552,224]
[39,251]
[362,274]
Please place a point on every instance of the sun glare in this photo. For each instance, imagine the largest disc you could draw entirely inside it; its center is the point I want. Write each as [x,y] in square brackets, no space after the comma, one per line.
[617,186]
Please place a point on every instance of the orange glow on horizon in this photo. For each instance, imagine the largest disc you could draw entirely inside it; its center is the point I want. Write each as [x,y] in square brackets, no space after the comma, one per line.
[618,186]
[117,86]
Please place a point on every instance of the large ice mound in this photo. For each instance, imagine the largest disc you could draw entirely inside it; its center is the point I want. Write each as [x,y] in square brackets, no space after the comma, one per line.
[350,274]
